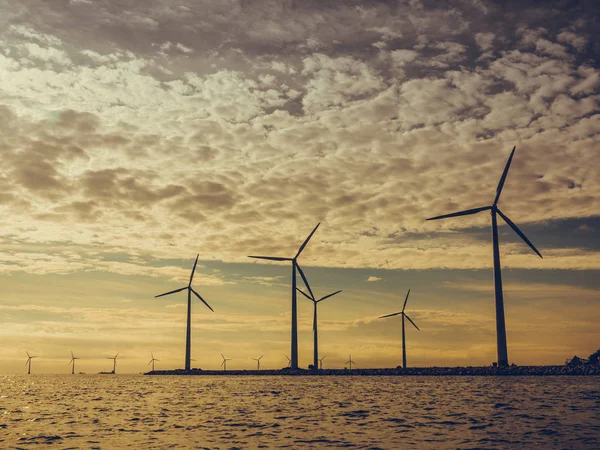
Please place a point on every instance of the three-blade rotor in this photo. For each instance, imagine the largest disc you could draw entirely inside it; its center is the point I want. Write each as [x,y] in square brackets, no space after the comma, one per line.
[402,313]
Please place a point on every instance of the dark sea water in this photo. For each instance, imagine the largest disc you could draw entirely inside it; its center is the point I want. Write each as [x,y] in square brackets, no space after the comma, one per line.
[115,412]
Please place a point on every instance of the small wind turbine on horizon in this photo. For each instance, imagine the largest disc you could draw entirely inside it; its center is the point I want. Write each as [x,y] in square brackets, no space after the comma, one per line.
[28,362]
[295,265]
[152,360]
[114,358]
[321,362]
[224,363]
[350,362]
[289,361]
[315,332]
[404,315]
[72,362]
[188,334]
[258,362]
[500,322]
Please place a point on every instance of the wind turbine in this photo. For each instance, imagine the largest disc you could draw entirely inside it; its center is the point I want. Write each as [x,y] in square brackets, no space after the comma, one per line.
[315,334]
[321,362]
[294,362]
[224,363]
[188,334]
[28,362]
[152,361]
[72,362]
[350,362]
[289,361]
[500,324]
[114,362]
[258,362]
[404,315]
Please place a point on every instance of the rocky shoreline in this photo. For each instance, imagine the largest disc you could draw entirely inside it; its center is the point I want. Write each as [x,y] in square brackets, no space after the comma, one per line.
[535,371]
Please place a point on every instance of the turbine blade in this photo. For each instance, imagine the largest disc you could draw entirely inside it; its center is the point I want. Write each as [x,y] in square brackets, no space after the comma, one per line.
[116,355]
[410,320]
[503,178]
[306,241]
[194,270]
[305,280]
[260,357]
[203,301]
[390,315]
[222,356]
[272,258]
[330,295]
[171,292]
[303,293]
[222,363]
[27,354]
[461,213]
[519,232]
[406,300]
[150,362]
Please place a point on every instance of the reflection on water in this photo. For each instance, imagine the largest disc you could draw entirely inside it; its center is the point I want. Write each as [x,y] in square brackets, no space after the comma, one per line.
[95,411]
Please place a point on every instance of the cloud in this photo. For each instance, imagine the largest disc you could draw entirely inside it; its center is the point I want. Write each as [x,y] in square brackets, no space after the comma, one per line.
[373,278]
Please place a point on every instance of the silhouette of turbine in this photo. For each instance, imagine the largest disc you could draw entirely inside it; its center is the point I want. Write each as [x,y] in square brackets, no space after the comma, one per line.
[404,315]
[258,362]
[500,323]
[321,362]
[294,362]
[152,361]
[224,363]
[289,361]
[315,333]
[28,362]
[188,334]
[114,362]
[350,362]
[72,362]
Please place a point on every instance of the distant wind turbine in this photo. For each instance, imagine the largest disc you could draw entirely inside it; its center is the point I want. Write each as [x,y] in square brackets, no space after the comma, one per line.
[321,362]
[500,323]
[404,315]
[188,334]
[72,362]
[350,362]
[224,363]
[315,333]
[294,350]
[152,361]
[289,361]
[258,362]
[28,362]
[114,358]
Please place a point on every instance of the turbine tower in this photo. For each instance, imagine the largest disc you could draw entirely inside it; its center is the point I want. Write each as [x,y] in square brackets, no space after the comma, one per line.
[404,315]
[72,362]
[152,361]
[258,362]
[500,324]
[224,363]
[28,362]
[321,362]
[315,333]
[114,358]
[350,362]
[188,334]
[294,363]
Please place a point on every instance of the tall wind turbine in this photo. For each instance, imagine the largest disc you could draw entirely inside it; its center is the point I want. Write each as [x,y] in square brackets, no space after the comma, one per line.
[321,362]
[404,315]
[114,358]
[28,362]
[152,361]
[72,362]
[188,334]
[315,334]
[350,362]
[294,364]
[500,324]
[224,363]
[258,362]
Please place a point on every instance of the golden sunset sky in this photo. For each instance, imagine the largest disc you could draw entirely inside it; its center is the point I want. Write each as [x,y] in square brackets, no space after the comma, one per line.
[135,135]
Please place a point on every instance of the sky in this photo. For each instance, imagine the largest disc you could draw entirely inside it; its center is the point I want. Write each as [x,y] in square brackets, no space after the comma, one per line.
[137,135]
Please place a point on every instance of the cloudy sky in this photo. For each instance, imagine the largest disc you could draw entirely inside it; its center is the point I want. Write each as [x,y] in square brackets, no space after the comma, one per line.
[135,135]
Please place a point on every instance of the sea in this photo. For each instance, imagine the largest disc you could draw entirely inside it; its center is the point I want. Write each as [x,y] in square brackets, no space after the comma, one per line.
[218,412]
